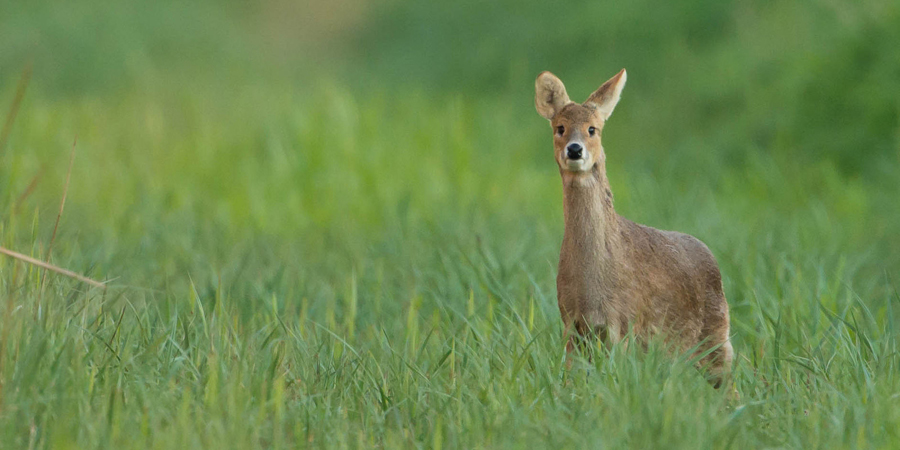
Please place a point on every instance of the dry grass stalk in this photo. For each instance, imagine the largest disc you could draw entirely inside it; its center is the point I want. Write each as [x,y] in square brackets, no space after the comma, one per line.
[62,205]
[62,202]
[28,190]
[51,267]
[14,108]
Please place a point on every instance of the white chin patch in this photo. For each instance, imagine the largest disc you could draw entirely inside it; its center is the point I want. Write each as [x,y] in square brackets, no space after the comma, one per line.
[577,165]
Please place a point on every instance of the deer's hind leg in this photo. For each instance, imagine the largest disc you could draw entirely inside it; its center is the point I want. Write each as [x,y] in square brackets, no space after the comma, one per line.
[718,350]
[717,364]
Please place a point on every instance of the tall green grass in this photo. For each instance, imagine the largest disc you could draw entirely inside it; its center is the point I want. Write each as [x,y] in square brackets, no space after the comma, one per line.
[318,260]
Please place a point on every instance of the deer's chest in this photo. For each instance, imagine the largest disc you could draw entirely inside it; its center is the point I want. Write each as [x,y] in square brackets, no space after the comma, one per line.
[586,280]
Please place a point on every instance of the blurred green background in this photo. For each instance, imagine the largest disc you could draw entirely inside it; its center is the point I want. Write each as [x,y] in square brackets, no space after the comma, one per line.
[337,223]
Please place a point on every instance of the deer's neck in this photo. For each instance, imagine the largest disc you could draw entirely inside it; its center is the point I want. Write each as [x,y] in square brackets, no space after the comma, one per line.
[591,228]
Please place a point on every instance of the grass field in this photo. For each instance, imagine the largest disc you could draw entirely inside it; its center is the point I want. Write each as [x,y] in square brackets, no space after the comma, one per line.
[338,226]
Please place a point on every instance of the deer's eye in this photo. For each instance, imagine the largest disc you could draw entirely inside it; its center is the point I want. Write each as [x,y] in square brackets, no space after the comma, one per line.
[560,130]
[592,131]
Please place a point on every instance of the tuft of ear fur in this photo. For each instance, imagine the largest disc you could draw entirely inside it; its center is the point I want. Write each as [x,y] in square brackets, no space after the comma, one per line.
[605,98]
[549,95]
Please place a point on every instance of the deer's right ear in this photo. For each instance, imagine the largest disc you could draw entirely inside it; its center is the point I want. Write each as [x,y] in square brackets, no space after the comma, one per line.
[549,95]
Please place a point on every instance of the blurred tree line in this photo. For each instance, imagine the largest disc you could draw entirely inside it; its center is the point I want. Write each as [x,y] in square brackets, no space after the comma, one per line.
[802,80]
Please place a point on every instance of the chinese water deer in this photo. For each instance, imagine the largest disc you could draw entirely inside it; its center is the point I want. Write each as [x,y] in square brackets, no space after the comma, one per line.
[616,275]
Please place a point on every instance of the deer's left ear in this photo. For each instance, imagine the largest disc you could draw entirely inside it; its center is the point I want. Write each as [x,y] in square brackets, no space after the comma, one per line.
[605,98]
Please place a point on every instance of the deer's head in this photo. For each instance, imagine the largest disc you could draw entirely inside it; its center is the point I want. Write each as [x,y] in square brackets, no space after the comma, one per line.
[576,127]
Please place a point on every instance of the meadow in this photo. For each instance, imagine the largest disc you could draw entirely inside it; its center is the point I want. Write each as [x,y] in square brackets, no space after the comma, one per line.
[337,225]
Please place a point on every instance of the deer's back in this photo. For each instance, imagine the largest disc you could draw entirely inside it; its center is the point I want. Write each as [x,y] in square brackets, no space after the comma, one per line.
[675,281]
[661,281]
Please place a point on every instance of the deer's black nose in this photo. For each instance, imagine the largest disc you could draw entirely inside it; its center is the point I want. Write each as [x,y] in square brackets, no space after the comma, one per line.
[574,151]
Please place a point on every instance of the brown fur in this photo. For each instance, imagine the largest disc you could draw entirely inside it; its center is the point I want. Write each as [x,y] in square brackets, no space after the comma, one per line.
[615,275]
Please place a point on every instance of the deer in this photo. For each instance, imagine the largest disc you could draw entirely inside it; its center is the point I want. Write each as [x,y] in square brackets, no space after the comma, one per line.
[617,278]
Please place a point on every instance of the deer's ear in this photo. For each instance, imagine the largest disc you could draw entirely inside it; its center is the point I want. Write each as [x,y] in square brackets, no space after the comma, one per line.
[549,95]
[605,98]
